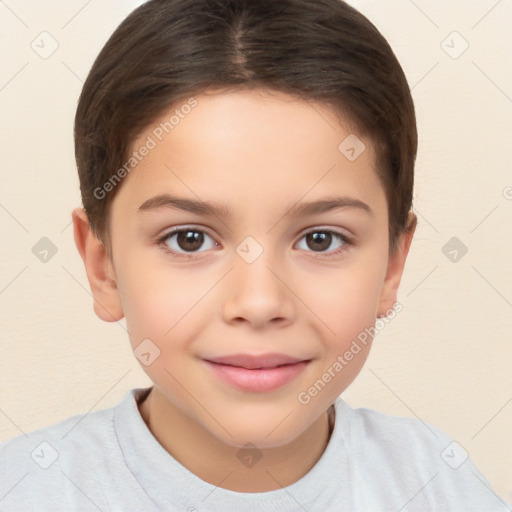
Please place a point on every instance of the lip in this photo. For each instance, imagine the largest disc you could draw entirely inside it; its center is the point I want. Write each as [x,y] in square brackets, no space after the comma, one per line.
[266,373]
[251,362]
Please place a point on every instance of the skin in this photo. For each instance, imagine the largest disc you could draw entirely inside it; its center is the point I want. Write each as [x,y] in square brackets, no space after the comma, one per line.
[257,152]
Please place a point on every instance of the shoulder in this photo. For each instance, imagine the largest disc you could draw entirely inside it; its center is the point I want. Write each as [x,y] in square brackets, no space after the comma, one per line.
[43,443]
[37,467]
[408,457]
[399,444]
[387,432]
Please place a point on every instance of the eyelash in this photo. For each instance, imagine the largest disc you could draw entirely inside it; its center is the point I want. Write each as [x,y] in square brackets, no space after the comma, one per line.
[319,255]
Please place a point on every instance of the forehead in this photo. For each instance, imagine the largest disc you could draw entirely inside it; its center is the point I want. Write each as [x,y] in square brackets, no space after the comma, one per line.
[253,145]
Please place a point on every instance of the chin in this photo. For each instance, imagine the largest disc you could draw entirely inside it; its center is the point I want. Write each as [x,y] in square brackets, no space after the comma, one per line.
[271,432]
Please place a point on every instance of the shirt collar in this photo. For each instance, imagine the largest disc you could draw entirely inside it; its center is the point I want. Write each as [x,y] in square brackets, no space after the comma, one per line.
[167,482]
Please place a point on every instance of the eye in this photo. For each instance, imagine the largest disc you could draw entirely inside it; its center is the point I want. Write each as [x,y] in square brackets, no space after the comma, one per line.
[320,240]
[185,240]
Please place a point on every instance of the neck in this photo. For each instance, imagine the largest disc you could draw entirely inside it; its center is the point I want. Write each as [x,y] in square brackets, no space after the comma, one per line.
[217,463]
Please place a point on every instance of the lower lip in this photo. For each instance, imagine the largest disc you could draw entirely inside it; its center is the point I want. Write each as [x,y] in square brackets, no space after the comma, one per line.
[257,380]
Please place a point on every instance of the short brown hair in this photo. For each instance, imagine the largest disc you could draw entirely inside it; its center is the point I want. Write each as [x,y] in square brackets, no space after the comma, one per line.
[166,50]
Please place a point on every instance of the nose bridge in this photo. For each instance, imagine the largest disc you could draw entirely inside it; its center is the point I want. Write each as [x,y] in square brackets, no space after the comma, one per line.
[253,267]
[257,292]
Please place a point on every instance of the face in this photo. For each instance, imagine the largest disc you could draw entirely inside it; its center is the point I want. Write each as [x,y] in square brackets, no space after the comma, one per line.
[261,275]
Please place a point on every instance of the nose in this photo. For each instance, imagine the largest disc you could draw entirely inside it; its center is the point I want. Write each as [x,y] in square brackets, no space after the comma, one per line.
[257,293]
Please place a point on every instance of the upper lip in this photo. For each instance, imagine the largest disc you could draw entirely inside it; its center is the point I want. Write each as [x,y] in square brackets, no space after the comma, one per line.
[256,361]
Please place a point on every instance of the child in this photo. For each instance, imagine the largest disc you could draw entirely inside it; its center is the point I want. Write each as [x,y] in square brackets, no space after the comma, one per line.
[256,131]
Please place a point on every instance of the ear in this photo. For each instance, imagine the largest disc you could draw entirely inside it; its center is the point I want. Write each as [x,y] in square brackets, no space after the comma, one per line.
[99,268]
[396,264]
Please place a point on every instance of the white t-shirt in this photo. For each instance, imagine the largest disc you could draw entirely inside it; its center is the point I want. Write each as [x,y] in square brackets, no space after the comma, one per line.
[108,460]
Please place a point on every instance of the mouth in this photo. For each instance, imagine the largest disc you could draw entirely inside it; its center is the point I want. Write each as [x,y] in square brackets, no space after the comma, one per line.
[257,373]
[257,362]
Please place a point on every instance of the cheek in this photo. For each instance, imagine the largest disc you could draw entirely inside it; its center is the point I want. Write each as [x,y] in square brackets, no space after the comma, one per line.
[160,300]
[347,299]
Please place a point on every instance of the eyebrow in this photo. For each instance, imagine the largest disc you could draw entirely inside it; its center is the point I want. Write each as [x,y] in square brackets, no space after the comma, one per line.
[214,209]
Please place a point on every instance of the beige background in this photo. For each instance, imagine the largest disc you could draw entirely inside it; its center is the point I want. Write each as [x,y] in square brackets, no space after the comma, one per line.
[446,358]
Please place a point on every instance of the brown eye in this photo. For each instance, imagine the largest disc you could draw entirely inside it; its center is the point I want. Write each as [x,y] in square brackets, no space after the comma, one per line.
[183,241]
[320,241]
[190,240]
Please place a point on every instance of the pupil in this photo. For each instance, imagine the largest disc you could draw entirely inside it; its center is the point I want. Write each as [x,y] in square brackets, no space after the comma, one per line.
[193,239]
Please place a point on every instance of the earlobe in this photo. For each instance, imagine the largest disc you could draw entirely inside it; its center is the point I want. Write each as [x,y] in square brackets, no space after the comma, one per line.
[395,269]
[99,269]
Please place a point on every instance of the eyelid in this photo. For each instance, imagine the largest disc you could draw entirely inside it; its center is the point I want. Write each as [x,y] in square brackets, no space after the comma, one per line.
[301,234]
[337,230]
[187,227]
